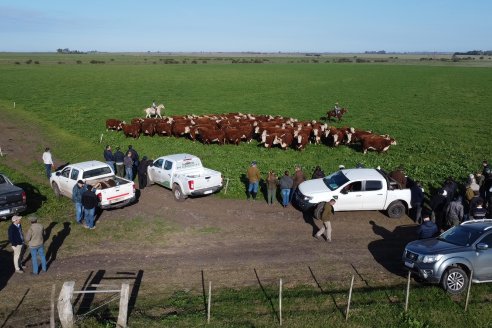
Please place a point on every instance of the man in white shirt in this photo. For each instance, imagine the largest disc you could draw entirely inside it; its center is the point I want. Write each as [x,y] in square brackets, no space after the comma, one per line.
[48,161]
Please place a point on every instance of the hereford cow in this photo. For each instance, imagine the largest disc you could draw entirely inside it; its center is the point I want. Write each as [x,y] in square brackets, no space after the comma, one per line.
[301,141]
[285,140]
[131,130]
[377,143]
[148,128]
[233,135]
[163,129]
[113,124]
[180,129]
[209,135]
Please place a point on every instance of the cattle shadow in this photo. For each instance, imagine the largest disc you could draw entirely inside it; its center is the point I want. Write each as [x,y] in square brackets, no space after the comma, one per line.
[7,260]
[34,198]
[57,242]
[388,251]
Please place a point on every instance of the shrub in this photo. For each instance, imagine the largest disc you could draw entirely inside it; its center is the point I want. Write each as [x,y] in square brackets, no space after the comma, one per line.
[36,62]
[97,61]
[194,62]
[79,62]
[17,63]
[28,61]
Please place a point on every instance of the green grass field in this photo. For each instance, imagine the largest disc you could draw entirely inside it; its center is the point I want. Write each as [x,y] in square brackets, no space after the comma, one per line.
[438,114]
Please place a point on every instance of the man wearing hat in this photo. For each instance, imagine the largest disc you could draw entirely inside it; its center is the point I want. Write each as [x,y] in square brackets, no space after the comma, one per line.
[16,239]
[77,192]
[253,174]
[35,238]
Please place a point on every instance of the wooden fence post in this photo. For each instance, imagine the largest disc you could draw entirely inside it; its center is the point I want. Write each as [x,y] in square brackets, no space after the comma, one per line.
[65,310]
[123,312]
[52,312]
[349,299]
[209,301]
[280,302]
[408,291]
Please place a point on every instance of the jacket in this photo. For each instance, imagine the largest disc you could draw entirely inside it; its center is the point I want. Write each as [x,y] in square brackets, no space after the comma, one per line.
[328,212]
[454,211]
[272,182]
[35,235]
[253,174]
[77,193]
[16,237]
[299,177]
[108,155]
[428,229]
[89,200]
[417,196]
[286,182]
[119,156]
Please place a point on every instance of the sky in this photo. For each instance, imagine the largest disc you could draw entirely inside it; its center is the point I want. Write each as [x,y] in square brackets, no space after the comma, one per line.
[240,25]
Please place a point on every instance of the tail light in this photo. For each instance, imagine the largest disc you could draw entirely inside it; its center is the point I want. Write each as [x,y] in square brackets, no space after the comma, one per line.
[191,184]
[134,188]
[99,197]
[24,198]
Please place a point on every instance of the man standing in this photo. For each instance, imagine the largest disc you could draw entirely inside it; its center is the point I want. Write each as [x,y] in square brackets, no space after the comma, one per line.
[119,159]
[142,173]
[109,158]
[77,192]
[427,229]
[89,201]
[135,159]
[298,178]
[253,174]
[417,200]
[128,163]
[454,212]
[35,237]
[285,184]
[16,239]
[48,161]
[326,216]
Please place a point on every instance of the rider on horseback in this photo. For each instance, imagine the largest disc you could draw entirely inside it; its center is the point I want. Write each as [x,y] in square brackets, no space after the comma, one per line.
[154,106]
[336,109]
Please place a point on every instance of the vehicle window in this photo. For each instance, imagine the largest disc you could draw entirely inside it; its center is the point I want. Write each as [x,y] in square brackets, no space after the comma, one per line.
[354,186]
[74,174]
[335,180]
[97,172]
[168,165]
[2,180]
[487,240]
[66,172]
[158,163]
[461,236]
[374,185]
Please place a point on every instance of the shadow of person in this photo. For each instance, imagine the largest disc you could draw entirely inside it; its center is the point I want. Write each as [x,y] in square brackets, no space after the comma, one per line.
[308,217]
[388,250]
[6,257]
[56,243]
[244,179]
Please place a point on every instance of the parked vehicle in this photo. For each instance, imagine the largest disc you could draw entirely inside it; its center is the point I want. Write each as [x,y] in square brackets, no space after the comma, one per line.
[357,189]
[12,198]
[111,190]
[450,258]
[185,175]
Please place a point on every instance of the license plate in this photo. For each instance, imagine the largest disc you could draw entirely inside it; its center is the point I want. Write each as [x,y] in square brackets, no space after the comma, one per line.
[4,212]
[116,200]
[409,264]
[207,192]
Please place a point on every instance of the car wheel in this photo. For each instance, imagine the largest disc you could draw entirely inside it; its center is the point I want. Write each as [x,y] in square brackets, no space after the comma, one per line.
[178,193]
[56,189]
[396,210]
[455,281]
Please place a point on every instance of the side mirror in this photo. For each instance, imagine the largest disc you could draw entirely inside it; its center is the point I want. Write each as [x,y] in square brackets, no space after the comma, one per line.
[482,247]
[344,191]
[58,173]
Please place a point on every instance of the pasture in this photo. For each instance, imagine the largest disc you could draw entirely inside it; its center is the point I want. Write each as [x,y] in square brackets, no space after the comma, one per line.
[437,114]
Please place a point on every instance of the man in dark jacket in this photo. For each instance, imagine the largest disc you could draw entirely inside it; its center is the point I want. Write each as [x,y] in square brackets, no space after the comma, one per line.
[89,201]
[118,159]
[142,173]
[135,158]
[438,204]
[417,200]
[427,229]
[16,239]
[108,157]
[77,192]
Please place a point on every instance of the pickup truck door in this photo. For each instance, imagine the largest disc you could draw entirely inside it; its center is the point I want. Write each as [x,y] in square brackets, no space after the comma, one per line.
[155,170]
[161,171]
[74,177]
[374,195]
[349,197]
[63,181]
[482,260]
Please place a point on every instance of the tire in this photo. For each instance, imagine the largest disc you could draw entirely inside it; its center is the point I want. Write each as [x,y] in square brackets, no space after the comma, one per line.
[455,281]
[318,210]
[178,193]
[396,210]
[56,190]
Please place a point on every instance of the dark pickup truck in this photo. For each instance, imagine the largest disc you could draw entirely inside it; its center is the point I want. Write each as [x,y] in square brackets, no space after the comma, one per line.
[12,198]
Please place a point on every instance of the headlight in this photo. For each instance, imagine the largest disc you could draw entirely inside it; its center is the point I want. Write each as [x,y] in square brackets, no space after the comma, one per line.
[431,258]
[308,198]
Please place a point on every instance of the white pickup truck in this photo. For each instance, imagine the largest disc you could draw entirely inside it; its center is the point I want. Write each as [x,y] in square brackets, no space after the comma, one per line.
[111,190]
[357,189]
[185,175]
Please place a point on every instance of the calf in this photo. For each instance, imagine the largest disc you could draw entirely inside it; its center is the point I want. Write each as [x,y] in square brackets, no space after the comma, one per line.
[113,124]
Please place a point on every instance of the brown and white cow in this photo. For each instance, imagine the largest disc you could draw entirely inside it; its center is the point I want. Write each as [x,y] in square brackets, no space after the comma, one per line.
[377,143]
[131,130]
[113,124]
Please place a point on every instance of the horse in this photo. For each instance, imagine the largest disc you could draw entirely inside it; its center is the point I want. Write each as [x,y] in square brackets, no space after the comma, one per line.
[333,113]
[151,111]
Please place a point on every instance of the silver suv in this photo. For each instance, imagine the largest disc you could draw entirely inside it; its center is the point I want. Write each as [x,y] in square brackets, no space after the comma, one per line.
[450,258]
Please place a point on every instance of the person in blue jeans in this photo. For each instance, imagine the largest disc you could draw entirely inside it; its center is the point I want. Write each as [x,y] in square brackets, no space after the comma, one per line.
[128,162]
[35,239]
[285,184]
[89,201]
[77,192]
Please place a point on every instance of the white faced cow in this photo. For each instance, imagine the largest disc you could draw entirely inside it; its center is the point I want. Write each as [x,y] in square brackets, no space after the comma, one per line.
[151,111]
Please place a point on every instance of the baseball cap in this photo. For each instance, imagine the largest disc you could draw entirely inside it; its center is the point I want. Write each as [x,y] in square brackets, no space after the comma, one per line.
[16,217]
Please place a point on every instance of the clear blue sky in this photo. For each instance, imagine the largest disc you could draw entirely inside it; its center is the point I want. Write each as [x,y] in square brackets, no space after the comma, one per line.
[246,25]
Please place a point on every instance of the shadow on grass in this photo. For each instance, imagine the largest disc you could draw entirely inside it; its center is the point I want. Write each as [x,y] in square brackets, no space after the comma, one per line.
[269,299]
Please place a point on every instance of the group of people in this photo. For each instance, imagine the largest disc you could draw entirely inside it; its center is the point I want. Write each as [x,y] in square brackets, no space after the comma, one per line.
[451,205]
[287,184]
[128,165]
[34,238]
[85,200]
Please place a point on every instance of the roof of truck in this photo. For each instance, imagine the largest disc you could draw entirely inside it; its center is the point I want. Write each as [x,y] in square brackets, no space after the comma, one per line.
[88,165]
[178,157]
[362,174]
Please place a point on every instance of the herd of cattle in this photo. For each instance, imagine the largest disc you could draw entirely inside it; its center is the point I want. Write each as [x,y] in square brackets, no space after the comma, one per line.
[270,131]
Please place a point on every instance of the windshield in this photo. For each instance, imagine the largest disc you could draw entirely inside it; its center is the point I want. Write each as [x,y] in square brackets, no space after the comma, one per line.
[335,180]
[460,235]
